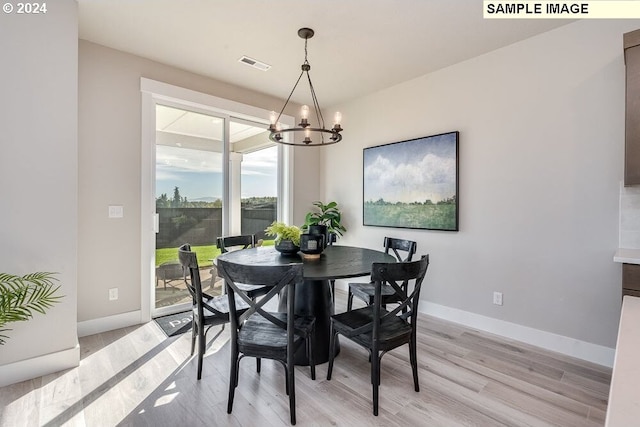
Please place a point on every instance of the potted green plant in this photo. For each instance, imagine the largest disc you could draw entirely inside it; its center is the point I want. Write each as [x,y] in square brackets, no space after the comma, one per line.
[326,219]
[21,296]
[287,237]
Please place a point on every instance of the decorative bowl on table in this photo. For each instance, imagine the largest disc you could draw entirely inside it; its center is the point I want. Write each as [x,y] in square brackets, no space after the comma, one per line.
[286,247]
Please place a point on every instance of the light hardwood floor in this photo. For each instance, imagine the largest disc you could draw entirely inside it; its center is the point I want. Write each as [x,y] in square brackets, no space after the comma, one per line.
[137,377]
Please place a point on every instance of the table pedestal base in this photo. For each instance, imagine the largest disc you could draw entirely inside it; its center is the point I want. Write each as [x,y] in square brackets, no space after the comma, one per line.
[314,298]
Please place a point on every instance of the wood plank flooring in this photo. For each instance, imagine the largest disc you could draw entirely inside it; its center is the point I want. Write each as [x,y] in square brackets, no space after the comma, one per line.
[137,377]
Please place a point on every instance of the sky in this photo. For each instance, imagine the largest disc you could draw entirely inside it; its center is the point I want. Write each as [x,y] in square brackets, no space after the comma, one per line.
[411,171]
[198,174]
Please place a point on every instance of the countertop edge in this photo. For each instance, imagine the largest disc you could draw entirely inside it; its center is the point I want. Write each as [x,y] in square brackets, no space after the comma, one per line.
[627,256]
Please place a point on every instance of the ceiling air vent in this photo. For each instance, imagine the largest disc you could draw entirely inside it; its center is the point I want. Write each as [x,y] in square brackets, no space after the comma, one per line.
[254,63]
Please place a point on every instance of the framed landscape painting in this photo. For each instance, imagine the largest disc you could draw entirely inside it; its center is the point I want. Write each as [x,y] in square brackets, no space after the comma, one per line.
[413,183]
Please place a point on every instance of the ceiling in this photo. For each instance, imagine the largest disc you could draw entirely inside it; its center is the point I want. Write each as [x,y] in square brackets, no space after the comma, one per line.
[359,47]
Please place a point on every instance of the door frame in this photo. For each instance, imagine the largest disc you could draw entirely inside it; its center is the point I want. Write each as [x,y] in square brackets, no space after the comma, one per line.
[154,92]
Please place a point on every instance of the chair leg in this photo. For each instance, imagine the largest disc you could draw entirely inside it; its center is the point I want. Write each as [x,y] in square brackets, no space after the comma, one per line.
[332,351]
[312,362]
[349,301]
[233,379]
[292,392]
[375,376]
[194,333]
[286,379]
[258,364]
[201,349]
[414,363]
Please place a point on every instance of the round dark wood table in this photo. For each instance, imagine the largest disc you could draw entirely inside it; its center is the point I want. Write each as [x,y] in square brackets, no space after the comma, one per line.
[314,297]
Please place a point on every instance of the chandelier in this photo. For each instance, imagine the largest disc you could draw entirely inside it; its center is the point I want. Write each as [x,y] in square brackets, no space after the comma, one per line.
[306,134]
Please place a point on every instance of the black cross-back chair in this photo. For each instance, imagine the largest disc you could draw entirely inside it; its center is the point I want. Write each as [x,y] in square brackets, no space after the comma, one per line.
[261,334]
[379,330]
[244,241]
[207,310]
[403,250]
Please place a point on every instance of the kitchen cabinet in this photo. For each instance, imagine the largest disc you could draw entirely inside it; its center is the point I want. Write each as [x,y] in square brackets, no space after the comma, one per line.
[631,280]
[631,43]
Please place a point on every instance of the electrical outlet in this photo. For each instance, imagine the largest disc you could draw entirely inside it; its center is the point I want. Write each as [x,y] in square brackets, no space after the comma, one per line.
[497,298]
[113,294]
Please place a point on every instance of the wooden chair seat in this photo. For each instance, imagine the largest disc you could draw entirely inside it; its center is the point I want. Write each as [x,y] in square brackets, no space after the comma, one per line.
[261,338]
[213,307]
[403,250]
[253,291]
[393,332]
[366,291]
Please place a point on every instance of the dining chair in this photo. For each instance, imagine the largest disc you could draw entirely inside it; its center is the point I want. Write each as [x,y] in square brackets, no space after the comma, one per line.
[262,334]
[379,330]
[244,241]
[207,311]
[403,250]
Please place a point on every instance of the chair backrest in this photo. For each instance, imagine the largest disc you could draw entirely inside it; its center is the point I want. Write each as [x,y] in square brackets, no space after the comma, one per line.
[189,263]
[394,275]
[244,241]
[397,246]
[278,277]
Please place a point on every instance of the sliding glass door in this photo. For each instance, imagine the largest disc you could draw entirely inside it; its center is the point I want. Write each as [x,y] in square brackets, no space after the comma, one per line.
[198,199]
[189,183]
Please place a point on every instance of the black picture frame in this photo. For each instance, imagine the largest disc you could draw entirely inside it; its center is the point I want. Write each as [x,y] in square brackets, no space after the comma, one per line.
[412,183]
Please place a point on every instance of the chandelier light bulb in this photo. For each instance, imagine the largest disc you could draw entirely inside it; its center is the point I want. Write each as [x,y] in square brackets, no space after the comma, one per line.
[273,117]
[337,119]
[304,112]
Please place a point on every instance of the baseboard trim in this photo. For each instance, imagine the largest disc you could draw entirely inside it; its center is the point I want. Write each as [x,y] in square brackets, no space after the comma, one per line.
[39,366]
[109,323]
[594,353]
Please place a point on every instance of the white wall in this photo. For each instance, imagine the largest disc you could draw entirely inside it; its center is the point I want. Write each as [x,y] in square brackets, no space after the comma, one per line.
[541,157]
[38,172]
[109,173]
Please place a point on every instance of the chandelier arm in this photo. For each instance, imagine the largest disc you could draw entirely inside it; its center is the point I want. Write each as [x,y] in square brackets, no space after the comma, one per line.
[289,97]
[316,106]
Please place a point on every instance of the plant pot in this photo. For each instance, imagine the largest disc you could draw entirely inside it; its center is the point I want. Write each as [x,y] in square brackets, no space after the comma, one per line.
[321,230]
[312,245]
[286,247]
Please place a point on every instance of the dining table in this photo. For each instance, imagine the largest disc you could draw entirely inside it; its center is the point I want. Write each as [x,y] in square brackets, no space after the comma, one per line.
[313,297]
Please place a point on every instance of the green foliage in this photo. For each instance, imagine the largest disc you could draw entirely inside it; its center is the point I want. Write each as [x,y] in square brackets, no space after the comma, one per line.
[21,296]
[282,231]
[440,216]
[328,215]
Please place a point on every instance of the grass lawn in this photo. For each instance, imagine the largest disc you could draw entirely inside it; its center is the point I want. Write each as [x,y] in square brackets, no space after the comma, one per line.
[204,254]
